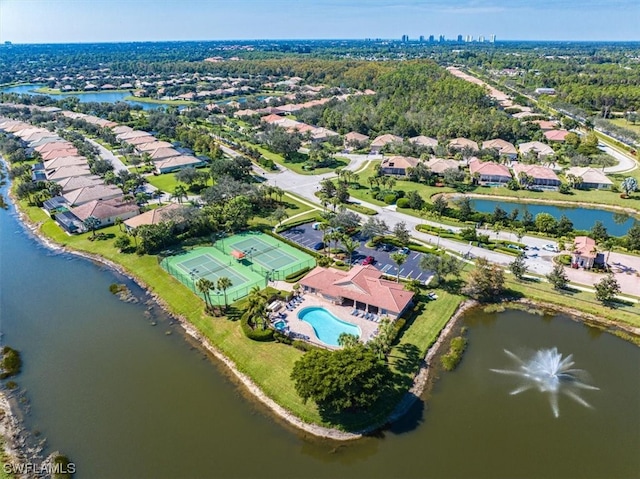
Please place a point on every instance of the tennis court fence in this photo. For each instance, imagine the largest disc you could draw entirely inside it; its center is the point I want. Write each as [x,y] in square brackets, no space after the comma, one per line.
[281,273]
[217,297]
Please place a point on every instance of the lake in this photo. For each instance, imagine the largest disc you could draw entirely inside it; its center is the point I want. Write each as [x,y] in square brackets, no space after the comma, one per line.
[102,96]
[617,224]
[128,399]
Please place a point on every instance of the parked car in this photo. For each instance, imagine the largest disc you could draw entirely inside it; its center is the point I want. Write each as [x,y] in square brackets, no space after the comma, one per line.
[316,226]
[550,247]
[368,260]
[513,246]
[387,247]
[404,250]
[318,246]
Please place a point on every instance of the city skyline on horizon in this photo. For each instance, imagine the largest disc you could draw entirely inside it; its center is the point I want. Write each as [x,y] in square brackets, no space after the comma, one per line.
[103,21]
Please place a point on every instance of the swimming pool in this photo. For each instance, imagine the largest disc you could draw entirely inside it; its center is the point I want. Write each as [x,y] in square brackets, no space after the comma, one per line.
[326,326]
[280,325]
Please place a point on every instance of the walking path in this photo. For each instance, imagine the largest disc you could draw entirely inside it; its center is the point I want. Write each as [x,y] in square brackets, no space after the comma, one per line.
[106,154]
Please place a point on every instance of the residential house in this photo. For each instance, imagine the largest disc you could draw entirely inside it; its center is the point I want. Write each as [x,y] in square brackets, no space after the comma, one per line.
[489,173]
[86,194]
[153,145]
[504,148]
[68,172]
[544,178]
[175,163]
[397,165]
[439,165]
[424,141]
[153,217]
[163,153]
[584,252]
[556,135]
[355,140]
[53,146]
[106,211]
[50,155]
[319,135]
[462,143]
[64,161]
[591,178]
[540,149]
[75,182]
[362,287]
[381,141]
[546,125]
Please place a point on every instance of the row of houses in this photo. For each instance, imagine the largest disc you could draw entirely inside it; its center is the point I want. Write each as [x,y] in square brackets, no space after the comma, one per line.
[81,194]
[165,157]
[490,173]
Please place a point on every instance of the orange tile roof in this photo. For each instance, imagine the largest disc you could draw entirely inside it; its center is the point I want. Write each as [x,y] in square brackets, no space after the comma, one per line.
[363,284]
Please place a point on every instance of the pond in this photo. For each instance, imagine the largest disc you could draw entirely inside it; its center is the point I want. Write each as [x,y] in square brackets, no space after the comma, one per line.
[617,223]
[102,96]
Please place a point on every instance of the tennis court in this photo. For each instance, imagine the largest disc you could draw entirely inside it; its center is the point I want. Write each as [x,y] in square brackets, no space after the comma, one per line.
[266,254]
[211,264]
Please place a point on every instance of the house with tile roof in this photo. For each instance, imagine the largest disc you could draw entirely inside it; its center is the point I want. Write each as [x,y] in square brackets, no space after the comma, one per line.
[381,141]
[75,182]
[489,173]
[584,252]
[397,165]
[544,178]
[175,163]
[152,217]
[504,148]
[556,135]
[440,165]
[462,143]
[106,211]
[356,140]
[67,172]
[424,141]
[537,147]
[591,178]
[362,287]
[86,194]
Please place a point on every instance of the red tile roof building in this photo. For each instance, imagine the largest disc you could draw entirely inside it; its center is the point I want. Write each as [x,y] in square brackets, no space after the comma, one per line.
[489,172]
[363,285]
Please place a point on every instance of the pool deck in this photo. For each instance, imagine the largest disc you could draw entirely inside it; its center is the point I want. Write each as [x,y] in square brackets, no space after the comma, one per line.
[367,328]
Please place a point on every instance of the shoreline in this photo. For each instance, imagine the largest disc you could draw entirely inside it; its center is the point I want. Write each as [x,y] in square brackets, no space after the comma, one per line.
[420,381]
[574,204]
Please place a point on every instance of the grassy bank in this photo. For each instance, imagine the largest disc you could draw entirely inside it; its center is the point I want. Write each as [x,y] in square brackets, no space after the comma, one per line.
[268,364]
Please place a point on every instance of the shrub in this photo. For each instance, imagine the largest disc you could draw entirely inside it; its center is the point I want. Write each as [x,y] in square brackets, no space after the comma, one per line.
[293,277]
[403,203]
[456,348]
[389,199]
[11,362]
[302,346]
[282,338]
[258,334]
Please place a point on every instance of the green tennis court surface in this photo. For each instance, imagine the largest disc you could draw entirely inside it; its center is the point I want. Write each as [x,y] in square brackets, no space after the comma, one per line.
[262,258]
[266,254]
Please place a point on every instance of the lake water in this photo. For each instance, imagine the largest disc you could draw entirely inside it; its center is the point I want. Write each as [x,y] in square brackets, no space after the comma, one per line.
[103,96]
[617,224]
[125,400]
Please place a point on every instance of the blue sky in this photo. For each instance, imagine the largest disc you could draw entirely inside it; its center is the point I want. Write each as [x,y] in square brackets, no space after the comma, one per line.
[59,21]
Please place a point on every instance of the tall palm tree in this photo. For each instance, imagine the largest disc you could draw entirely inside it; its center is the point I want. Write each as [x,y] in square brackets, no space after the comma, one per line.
[204,286]
[180,192]
[399,259]
[223,284]
[92,223]
[350,245]
[256,311]
[324,227]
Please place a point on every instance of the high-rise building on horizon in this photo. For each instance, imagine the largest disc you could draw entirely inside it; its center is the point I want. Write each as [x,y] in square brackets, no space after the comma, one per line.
[441,38]
[405,38]
[492,38]
[431,38]
[459,38]
[421,38]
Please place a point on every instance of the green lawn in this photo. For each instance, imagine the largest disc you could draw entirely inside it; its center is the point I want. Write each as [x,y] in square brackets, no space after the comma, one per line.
[590,196]
[625,124]
[166,182]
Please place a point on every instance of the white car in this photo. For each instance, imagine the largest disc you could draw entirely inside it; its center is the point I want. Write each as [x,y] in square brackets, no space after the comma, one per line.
[550,247]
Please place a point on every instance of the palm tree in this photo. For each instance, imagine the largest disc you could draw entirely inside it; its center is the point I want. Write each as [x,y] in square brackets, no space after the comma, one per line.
[256,311]
[92,223]
[118,222]
[399,259]
[223,284]
[324,227]
[350,245]
[391,182]
[204,286]
[180,192]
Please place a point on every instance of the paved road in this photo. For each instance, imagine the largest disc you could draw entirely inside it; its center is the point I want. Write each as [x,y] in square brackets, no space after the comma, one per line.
[105,154]
[625,163]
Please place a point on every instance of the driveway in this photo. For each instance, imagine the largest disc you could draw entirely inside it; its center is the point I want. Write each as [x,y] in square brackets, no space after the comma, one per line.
[306,236]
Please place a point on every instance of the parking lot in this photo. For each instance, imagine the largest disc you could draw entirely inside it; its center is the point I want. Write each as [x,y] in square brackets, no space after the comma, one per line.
[306,236]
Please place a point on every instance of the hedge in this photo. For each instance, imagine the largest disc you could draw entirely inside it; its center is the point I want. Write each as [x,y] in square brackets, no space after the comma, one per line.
[361,209]
[298,275]
[262,335]
[299,222]
[402,203]
[293,244]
